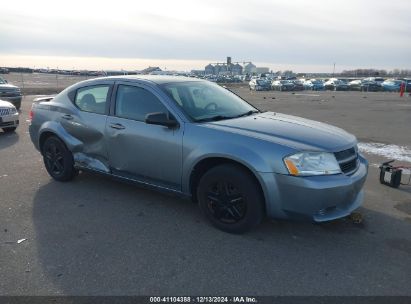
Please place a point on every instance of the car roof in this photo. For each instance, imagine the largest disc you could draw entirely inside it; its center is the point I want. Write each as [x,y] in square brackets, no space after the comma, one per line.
[157,79]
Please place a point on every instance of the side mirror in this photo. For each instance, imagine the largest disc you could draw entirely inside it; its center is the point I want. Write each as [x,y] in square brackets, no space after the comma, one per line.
[161,119]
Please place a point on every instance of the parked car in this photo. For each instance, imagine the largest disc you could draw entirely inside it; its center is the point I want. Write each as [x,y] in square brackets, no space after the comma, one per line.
[282,85]
[259,85]
[407,83]
[370,86]
[298,85]
[391,85]
[313,84]
[336,85]
[194,138]
[378,80]
[9,116]
[355,85]
[4,71]
[10,93]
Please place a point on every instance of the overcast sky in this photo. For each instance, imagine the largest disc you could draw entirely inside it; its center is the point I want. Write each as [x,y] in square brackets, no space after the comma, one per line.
[303,35]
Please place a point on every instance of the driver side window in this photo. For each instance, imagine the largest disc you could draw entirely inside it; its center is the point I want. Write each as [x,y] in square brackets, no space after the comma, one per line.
[135,103]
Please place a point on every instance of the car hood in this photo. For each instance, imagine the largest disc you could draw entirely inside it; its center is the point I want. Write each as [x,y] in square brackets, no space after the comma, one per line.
[7,86]
[5,104]
[292,131]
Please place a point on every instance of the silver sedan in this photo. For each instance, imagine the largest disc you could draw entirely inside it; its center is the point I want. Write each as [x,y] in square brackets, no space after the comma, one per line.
[196,139]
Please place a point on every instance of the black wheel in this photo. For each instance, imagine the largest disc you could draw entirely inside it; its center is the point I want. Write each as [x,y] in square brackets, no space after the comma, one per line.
[231,198]
[9,130]
[58,160]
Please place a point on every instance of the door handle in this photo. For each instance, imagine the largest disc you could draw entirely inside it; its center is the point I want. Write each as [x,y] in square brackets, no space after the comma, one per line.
[117,126]
[67,117]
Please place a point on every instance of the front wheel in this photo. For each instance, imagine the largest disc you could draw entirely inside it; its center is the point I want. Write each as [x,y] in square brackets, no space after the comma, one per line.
[231,198]
[58,160]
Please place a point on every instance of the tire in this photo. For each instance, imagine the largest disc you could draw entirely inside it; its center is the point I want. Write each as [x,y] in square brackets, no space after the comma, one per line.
[58,160]
[231,198]
[9,130]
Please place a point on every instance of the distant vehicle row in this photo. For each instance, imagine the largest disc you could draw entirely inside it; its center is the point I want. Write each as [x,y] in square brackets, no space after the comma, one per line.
[371,84]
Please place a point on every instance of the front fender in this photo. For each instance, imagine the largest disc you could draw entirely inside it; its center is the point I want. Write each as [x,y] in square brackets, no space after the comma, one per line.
[238,153]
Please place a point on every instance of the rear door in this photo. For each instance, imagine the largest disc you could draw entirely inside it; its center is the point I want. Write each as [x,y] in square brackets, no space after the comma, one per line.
[140,151]
[87,122]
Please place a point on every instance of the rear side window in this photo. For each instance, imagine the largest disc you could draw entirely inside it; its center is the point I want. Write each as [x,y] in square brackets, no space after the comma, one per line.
[135,103]
[92,99]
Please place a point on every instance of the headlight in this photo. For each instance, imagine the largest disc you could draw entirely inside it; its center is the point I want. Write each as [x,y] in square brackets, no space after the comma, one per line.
[312,163]
[13,111]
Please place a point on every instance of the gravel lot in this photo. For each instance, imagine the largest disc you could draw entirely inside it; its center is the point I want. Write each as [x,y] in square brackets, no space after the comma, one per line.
[96,236]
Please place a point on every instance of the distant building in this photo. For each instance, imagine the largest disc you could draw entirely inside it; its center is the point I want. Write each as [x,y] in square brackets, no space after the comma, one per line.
[250,68]
[224,68]
[236,69]
[220,69]
[209,69]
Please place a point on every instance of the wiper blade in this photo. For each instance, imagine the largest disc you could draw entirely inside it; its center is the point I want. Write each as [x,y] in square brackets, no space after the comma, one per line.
[248,113]
[214,118]
[221,117]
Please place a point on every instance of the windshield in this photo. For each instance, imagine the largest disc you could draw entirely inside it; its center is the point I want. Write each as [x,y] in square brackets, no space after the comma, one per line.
[204,101]
[261,82]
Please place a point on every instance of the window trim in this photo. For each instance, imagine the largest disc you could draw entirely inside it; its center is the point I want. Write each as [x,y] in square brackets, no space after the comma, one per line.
[108,98]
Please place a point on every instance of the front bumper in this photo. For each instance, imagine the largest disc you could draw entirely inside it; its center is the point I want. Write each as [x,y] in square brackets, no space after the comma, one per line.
[319,198]
[9,121]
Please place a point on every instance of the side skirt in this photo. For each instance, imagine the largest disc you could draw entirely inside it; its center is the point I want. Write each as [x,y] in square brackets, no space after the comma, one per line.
[142,184]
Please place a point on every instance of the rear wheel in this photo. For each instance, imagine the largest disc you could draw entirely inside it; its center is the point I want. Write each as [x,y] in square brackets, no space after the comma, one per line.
[231,198]
[9,130]
[58,160]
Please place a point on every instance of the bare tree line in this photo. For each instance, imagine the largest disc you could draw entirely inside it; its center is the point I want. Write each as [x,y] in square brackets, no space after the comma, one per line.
[375,72]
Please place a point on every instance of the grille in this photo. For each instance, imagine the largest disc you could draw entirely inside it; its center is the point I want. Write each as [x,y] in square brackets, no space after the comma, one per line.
[348,160]
[5,124]
[5,111]
[9,94]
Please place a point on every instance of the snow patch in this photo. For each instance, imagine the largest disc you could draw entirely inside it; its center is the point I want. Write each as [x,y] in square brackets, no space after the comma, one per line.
[401,153]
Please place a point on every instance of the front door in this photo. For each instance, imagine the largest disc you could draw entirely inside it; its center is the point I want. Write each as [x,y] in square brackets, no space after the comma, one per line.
[140,151]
